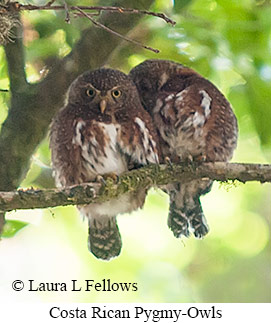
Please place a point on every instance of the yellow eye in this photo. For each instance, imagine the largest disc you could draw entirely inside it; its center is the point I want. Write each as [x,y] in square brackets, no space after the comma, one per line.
[116,94]
[90,92]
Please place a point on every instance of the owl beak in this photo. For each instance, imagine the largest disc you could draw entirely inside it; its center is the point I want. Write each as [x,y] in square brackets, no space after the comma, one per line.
[103,106]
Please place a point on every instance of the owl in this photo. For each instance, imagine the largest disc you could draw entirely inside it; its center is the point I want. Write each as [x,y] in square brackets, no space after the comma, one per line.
[102,129]
[195,123]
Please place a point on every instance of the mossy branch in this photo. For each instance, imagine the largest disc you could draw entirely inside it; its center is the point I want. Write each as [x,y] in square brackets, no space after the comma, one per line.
[147,177]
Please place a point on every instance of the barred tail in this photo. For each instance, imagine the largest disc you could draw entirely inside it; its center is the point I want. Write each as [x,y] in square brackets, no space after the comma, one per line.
[177,221]
[185,209]
[104,239]
[197,219]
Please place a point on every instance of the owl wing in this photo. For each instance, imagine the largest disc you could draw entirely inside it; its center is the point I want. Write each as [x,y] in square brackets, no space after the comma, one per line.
[138,141]
[198,121]
[66,157]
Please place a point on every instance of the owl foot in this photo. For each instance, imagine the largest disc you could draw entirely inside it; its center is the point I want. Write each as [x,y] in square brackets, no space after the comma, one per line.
[103,178]
[194,160]
[168,161]
[104,240]
[200,158]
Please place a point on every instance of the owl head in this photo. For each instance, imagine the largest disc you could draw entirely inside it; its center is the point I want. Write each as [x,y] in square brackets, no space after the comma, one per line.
[156,78]
[102,91]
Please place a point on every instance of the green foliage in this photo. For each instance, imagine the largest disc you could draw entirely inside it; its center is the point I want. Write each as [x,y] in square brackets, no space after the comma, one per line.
[224,38]
[180,4]
[11,227]
[258,92]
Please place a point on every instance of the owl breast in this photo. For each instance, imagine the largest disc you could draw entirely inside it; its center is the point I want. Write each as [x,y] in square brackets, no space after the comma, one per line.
[100,154]
[99,148]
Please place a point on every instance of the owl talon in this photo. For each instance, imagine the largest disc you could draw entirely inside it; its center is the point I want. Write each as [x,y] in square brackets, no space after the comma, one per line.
[190,162]
[168,162]
[113,176]
[194,161]
[187,161]
[100,179]
[103,178]
[200,159]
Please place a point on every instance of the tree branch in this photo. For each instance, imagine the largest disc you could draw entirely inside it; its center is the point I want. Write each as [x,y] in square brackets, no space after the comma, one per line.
[147,177]
[15,56]
[82,11]
[96,23]
[99,9]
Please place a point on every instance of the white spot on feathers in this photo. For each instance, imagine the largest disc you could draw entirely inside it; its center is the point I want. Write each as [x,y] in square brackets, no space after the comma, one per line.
[109,161]
[149,154]
[163,79]
[159,104]
[180,96]
[78,128]
[198,119]
[206,103]
[169,97]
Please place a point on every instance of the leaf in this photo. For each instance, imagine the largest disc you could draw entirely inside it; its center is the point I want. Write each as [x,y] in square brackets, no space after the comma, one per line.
[180,4]
[11,227]
[259,95]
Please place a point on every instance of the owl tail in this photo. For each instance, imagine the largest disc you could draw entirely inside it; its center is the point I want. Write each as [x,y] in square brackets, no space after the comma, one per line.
[177,220]
[185,209]
[197,219]
[104,239]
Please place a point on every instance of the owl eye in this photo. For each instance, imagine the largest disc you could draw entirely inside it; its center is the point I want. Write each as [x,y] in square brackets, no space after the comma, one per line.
[91,93]
[116,94]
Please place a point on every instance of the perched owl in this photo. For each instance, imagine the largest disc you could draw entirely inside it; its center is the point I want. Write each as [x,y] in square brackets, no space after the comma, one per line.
[194,122]
[102,129]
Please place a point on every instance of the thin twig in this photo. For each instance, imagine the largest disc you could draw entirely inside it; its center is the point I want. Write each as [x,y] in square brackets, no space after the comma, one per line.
[81,11]
[67,13]
[121,10]
[4,90]
[49,3]
[96,23]
[92,14]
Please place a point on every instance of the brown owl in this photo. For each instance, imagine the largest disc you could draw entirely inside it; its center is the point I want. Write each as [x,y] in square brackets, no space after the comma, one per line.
[194,122]
[102,129]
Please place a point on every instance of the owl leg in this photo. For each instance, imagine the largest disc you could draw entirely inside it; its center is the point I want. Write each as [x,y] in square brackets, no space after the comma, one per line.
[167,160]
[104,239]
[177,219]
